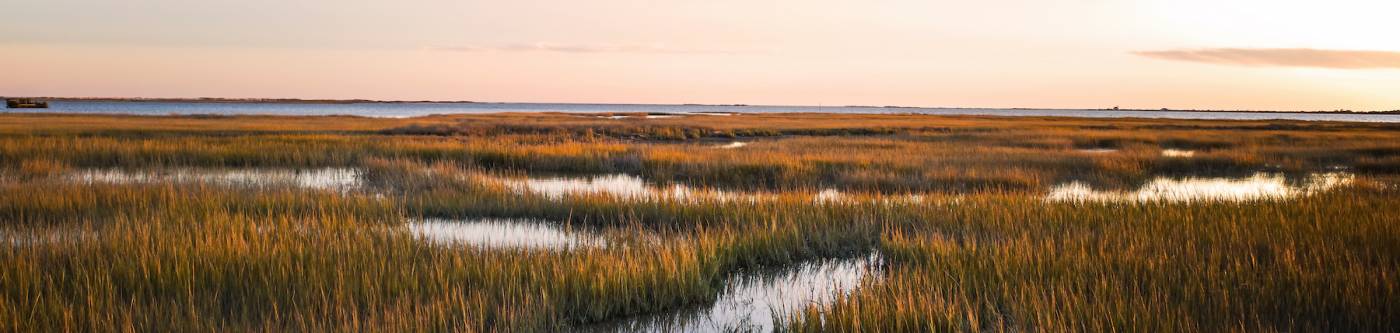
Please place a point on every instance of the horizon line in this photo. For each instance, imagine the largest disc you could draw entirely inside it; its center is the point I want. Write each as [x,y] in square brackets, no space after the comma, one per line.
[207,99]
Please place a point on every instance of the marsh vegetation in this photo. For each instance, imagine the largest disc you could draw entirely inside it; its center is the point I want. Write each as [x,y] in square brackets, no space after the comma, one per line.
[795,222]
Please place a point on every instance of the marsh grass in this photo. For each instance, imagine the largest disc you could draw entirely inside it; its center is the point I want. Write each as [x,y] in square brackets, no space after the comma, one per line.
[1322,262]
[327,260]
[978,250]
[908,153]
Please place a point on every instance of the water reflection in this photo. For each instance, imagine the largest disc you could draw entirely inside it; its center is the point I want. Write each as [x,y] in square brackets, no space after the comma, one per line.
[1260,186]
[732,145]
[630,116]
[323,178]
[1097,150]
[830,196]
[45,236]
[501,234]
[1178,153]
[620,185]
[630,187]
[749,301]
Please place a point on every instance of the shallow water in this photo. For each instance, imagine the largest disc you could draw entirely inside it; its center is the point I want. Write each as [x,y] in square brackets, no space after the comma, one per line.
[39,237]
[732,145]
[620,185]
[323,178]
[1178,153]
[633,116]
[1260,186]
[630,187]
[502,234]
[831,196]
[717,114]
[423,109]
[749,300]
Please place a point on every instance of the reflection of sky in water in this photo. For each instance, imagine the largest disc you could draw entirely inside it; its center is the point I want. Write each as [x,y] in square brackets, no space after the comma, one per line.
[634,188]
[749,300]
[1178,153]
[620,185]
[645,116]
[501,233]
[1258,187]
[732,145]
[323,178]
[830,196]
[46,236]
[424,109]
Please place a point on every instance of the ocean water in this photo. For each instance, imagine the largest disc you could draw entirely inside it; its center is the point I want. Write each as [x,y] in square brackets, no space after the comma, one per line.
[423,109]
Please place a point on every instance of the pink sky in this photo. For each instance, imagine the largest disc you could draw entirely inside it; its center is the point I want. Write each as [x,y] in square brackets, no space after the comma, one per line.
[1247,54]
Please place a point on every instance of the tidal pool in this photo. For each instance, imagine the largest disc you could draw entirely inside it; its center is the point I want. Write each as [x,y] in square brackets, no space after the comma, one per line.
[1178,153]
[322,178]
[732,145]
[1260,186]
[635,188]
[620,185]
[830,196]
[502,234]
[629,116]
[45,236]
[750,300]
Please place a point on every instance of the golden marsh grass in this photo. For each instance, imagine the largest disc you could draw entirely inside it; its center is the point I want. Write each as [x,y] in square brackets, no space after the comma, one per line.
[956,206]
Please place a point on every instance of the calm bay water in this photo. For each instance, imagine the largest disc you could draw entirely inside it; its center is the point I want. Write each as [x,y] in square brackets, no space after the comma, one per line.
[422,109]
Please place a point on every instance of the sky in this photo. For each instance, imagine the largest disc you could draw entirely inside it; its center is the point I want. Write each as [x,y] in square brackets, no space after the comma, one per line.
[1180,54]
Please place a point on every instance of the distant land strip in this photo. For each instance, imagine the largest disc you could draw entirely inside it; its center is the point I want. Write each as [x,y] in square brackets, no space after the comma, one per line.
[369,101]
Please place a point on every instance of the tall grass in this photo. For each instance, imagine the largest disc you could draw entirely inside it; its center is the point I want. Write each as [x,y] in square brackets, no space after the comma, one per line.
[981,251]
[1319,263]
[202,257]
[912,153]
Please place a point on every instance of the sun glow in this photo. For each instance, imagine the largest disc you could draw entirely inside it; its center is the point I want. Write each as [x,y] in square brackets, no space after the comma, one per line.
[1012,53]
[1346,24]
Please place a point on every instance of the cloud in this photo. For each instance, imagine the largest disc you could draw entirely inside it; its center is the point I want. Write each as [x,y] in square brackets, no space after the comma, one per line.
[1340,59]
[573,48]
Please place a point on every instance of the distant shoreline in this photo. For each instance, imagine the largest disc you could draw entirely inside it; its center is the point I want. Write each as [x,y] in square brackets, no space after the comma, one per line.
[239,100]
[1136,110]
[1248,111]
[371,101]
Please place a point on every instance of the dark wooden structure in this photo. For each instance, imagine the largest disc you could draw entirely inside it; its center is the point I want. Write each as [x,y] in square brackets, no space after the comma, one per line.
[25,103]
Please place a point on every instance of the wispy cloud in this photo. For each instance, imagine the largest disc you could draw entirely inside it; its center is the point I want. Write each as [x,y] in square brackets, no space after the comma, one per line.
[574,48]
[1341,59]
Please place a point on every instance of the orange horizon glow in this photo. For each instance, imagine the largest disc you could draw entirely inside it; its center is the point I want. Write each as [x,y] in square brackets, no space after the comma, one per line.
[1252,54]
